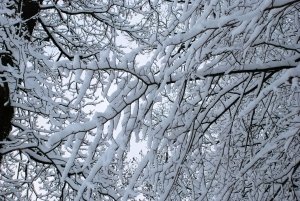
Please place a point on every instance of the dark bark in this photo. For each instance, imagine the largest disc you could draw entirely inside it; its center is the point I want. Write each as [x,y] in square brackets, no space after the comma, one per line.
[6,110]
[29,10]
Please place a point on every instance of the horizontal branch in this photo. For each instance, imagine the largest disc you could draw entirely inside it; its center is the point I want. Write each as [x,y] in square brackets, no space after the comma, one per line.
[221,73]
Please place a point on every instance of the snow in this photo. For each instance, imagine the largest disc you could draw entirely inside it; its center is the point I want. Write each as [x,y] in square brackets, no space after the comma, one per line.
[190,100]
[85,86]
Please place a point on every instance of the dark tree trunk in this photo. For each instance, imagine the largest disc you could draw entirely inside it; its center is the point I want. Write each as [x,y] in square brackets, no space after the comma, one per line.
[6,110]
[29,10]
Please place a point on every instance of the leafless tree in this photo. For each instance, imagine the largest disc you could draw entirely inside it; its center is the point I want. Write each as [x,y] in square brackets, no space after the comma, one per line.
[206,91]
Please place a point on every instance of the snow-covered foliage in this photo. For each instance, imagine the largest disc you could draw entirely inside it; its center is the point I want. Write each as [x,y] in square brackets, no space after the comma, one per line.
[207,90]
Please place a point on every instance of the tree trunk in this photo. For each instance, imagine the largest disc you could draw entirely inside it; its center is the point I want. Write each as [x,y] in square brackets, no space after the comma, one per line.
[29,10]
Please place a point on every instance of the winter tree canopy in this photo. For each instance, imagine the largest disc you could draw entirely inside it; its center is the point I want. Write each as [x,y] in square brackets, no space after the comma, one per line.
[150,100]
